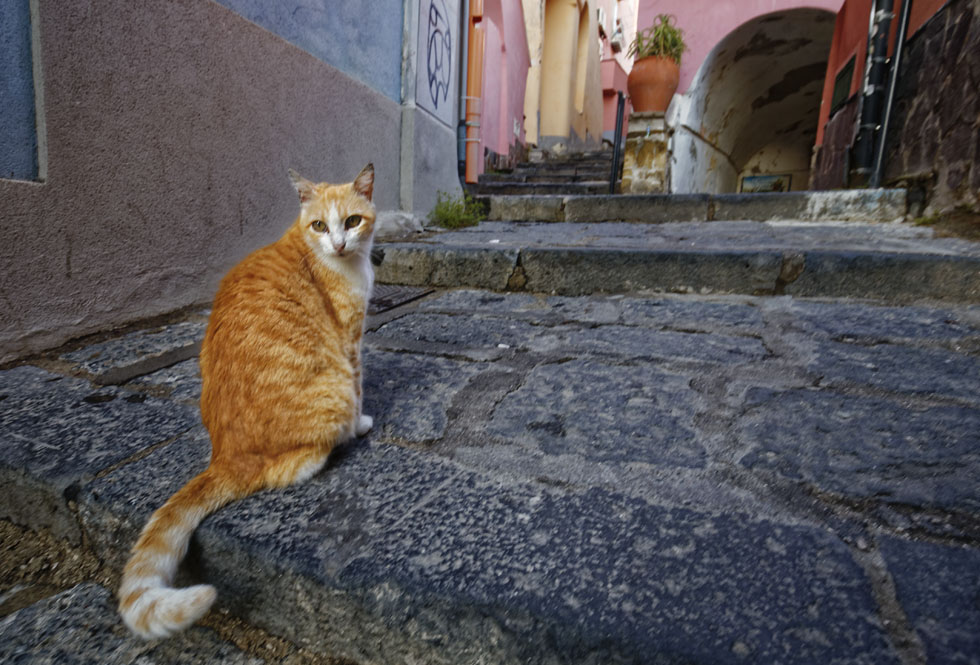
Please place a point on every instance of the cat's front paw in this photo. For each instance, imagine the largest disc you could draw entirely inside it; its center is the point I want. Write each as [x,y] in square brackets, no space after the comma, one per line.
[364,425]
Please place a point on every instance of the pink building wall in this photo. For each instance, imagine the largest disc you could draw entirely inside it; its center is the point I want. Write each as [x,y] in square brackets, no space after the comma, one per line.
[707,22]
[616,65]
[505,64]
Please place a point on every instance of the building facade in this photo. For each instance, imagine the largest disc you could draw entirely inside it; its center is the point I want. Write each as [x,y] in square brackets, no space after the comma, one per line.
[745,115]
[563,107]
[933,141]
[148,143]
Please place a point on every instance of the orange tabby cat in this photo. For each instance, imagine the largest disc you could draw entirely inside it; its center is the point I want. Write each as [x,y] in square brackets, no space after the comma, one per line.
[282,385]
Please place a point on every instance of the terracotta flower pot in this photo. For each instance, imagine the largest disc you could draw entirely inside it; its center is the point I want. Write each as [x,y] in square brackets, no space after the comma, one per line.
[652,82]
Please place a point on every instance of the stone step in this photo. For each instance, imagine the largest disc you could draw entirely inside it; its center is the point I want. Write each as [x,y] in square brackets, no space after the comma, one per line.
[881,205]
[895,262]
[540,188]
[566,176]
[580,162]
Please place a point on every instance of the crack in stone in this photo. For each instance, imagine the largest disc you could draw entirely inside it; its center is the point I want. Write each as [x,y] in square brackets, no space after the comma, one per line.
[894,621]
[518,279]
[792,267]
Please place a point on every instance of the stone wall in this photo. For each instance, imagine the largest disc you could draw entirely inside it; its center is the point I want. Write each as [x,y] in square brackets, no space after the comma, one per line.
[934,139]
[830,161]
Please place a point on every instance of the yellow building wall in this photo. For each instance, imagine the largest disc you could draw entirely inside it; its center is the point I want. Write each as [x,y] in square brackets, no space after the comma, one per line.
[563,103]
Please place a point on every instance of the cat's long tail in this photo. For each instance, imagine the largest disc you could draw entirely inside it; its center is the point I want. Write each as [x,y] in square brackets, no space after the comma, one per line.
[147,603]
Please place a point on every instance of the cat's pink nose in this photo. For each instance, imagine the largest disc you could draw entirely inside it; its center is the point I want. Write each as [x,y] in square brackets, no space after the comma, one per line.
[339,248]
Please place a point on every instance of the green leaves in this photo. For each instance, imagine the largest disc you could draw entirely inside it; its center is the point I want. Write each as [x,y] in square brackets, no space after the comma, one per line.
[663,38]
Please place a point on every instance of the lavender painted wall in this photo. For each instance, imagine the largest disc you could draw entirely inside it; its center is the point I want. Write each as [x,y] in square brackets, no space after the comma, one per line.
[355,36]
[170,126]
[18,134]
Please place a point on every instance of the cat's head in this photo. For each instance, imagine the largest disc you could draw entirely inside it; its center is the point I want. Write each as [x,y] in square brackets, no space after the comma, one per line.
[337,220]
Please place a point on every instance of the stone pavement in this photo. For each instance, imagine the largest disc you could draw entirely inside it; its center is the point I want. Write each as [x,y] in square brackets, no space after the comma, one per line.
[551,479]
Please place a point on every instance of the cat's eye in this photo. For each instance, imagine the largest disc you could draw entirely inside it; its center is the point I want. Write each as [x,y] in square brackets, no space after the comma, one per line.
[352,221]
[319,226]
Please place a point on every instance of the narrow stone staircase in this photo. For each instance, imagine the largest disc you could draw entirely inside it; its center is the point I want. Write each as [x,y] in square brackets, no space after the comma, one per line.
[567,174]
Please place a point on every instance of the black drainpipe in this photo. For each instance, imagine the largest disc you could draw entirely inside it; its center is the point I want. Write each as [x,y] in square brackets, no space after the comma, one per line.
[874,92]
[896,63]
[617,141]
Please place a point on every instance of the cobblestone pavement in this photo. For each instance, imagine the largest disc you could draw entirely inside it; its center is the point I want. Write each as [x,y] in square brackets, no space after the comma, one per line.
[551,479]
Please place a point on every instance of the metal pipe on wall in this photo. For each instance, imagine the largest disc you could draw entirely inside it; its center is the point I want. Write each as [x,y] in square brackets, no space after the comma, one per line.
[474,89]
[464,22]
[896,63]
[874,89]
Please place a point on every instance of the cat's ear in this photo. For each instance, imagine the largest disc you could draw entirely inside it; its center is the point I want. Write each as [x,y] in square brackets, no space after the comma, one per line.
[303,186]
[364,182]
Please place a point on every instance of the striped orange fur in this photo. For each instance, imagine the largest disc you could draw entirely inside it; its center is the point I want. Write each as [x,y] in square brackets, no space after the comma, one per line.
[281,365]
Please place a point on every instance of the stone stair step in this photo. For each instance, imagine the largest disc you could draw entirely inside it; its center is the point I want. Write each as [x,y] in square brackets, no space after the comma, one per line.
[532,188]
[571,176]
[880,205]
[893,262]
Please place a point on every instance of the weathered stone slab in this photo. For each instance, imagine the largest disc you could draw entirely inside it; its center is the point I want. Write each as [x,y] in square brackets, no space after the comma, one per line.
[524,575]
[114,507]
[691,315]
[585,271]
[899,368]
[870,324]
[57,432]
[462,331]
[647,209]
[551,310]
[643,343]
[408,394]
[858,205]
[180,382]
[391,555]
[529,208]
[938,587]
[865,448]
[81,626]
[120,359]
[415,265]
[902,276]
[587,409]
[494,332]
[663,312]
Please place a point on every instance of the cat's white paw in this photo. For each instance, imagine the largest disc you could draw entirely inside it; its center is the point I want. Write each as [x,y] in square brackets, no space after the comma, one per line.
[364,425]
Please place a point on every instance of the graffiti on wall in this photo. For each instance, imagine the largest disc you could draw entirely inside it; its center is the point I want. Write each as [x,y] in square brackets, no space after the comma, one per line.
[435,81]
[439,54]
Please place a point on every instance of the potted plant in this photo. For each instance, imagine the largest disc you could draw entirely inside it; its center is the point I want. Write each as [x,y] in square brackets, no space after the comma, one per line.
[656,69]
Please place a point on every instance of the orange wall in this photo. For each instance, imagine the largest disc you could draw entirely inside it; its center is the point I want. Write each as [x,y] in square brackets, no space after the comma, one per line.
[851,38]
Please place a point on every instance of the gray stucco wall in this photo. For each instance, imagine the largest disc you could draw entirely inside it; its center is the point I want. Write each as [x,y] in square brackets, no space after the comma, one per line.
[18,136]
[170,126]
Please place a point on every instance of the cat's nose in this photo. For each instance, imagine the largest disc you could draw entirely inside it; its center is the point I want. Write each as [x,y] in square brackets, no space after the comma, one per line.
[340,247]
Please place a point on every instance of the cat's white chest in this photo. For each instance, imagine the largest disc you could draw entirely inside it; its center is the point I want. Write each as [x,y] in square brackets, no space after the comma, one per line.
[357,271]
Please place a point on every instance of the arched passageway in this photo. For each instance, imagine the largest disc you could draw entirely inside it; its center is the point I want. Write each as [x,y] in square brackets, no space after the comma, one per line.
[752,108]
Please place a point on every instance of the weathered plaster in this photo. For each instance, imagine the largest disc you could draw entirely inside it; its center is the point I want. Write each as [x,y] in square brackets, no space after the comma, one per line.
[759,85]
[170,129]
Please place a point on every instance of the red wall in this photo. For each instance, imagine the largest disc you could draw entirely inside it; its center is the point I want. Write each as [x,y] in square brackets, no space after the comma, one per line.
[851,38]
